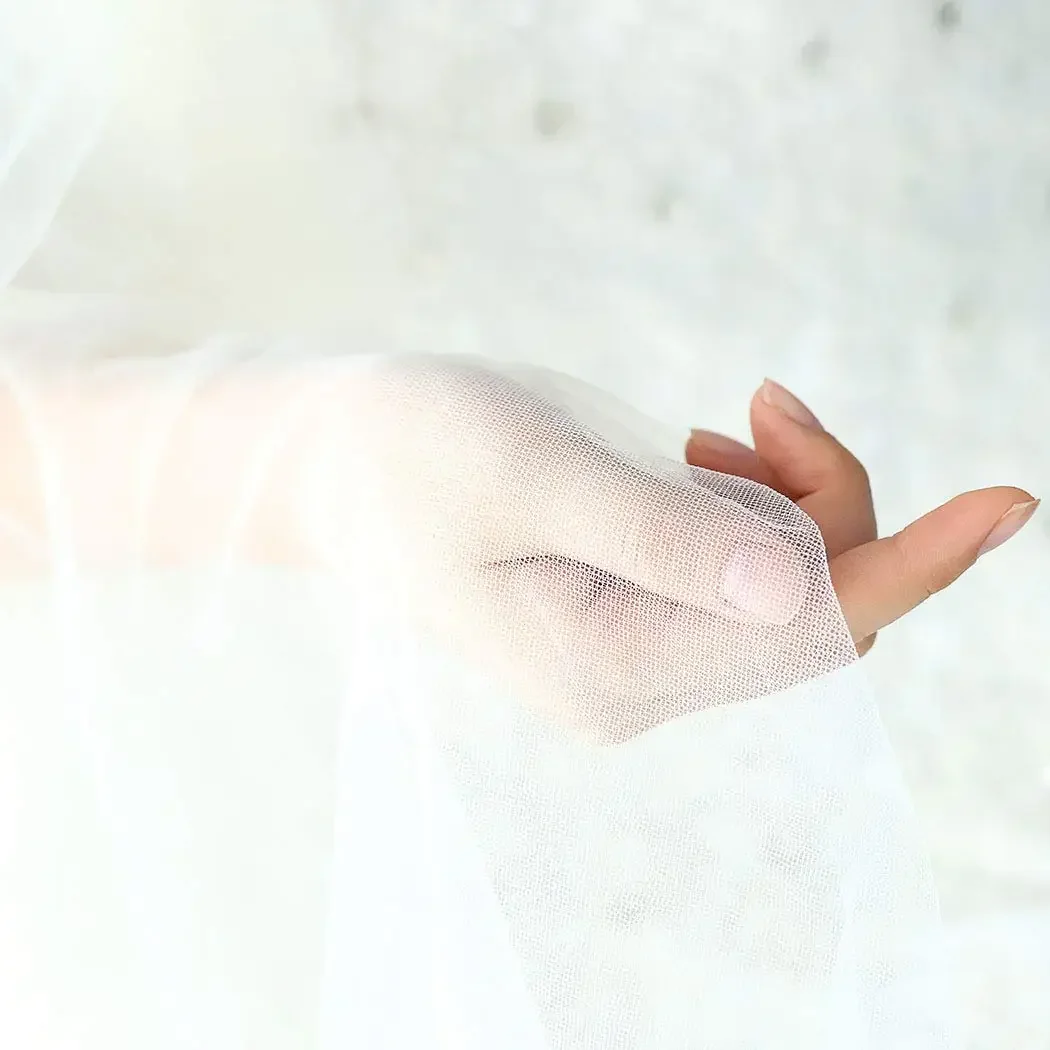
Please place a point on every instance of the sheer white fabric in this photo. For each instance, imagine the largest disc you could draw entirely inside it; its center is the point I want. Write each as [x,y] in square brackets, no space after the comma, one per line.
[518,734]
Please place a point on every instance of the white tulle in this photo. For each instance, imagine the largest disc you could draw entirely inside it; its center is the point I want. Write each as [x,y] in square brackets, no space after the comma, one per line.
[531,737]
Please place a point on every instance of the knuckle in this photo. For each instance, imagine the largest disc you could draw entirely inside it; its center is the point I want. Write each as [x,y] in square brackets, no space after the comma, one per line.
[929,576]
[940,576]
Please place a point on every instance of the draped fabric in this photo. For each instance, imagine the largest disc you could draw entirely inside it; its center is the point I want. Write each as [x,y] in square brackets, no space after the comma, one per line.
[356,696]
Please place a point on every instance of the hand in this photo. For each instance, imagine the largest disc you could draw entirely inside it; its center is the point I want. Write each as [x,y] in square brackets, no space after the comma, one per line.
[628,590]
[877,580]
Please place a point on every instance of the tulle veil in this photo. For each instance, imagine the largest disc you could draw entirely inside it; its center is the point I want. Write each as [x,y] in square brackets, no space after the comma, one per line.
[504,766]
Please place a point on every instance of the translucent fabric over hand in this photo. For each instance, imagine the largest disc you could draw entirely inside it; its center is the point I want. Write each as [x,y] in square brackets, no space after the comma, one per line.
[384,701]
[541,740]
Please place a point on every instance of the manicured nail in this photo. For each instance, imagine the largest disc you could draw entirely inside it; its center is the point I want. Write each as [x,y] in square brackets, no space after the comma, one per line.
[774,394]
[1009,525]
[718,443]
[767,583]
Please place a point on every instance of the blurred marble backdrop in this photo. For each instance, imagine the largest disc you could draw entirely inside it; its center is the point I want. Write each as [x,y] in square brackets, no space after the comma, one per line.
[675,198]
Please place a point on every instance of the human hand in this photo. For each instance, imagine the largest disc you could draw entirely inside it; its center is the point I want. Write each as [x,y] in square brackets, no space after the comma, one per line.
[629,588]
[877,580]
[615,581]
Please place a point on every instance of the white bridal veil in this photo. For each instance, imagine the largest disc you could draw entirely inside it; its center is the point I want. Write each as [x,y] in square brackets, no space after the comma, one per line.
[355,697]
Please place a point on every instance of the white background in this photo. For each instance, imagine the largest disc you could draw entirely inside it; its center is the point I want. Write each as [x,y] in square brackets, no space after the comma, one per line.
[673,199]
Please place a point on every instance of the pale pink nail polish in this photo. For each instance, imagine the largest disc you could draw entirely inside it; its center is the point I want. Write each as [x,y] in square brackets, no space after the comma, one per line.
[766,582]
[785,401]
[1009,525]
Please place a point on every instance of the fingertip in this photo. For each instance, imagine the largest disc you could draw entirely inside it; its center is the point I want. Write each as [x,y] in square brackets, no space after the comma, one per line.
[966,520]
[708,442]
[1013,519]
[803,454]
[725,455]
[866,645]
[1014,494]
[766,581]
[881,581]
[775,429]
[771,395]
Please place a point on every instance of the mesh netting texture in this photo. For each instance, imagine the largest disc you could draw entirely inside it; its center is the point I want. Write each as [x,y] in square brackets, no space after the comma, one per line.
[599,719]
[356,698]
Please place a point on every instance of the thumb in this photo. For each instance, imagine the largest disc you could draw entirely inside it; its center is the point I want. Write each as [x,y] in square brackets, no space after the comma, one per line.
[509,478]
[881,581]
[720,544]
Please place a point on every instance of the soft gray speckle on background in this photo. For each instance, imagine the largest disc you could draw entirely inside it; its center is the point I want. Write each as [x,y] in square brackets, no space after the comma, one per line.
[851,198]
[675,198]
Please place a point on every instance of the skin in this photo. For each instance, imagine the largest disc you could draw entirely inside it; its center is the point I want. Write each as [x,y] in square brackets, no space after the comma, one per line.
[877,580]
[603,585]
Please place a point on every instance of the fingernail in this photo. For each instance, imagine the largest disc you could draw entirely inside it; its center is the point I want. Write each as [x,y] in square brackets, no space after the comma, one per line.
[1009,525]
[774,394]
[766,582]
[718,443]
